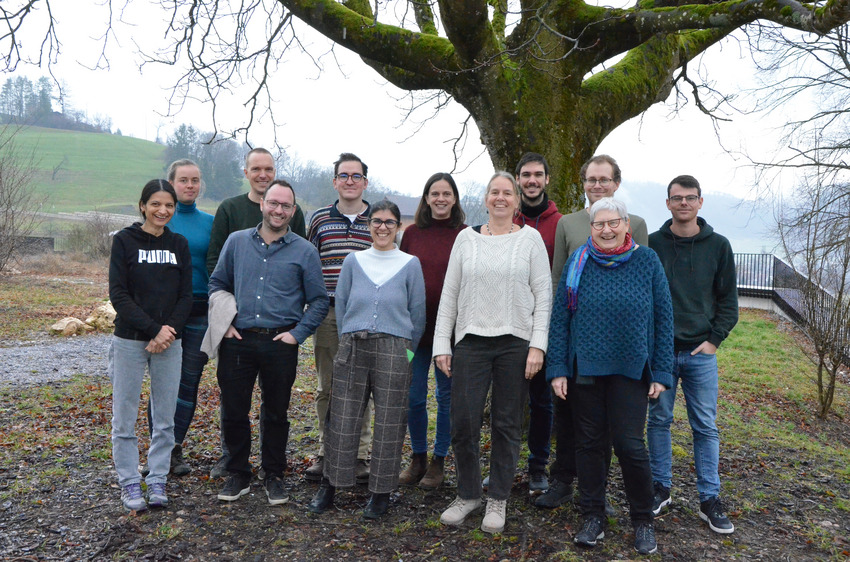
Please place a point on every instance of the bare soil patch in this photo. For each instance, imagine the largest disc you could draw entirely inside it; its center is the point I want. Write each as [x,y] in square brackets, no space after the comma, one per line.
[59,498]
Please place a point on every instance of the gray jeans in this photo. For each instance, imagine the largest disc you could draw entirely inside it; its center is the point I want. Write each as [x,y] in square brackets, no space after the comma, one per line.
[127,362]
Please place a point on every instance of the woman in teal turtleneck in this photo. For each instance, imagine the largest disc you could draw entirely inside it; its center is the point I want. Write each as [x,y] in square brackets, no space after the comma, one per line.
[195,225]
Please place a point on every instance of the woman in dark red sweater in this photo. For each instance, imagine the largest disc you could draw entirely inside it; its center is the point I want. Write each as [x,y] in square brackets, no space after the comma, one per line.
[439,219]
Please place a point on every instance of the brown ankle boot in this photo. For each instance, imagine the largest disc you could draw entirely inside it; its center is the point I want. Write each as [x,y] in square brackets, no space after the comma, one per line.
[411,475]
[434,475]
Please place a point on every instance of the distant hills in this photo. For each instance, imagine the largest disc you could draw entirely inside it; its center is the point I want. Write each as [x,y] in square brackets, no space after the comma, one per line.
[745,223]
[81,171]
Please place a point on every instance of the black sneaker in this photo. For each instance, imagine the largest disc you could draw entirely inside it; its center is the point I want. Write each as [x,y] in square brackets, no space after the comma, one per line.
[645,538]
[711,511]
[274,490]
[592,530]
[557,495]
[234,488]
[660,497]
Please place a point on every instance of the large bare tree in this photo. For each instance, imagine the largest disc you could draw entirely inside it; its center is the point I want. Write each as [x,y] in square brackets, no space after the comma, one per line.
[552,76]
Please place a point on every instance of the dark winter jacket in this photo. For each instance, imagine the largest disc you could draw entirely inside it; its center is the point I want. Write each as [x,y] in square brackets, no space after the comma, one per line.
[150,282]
[701,273]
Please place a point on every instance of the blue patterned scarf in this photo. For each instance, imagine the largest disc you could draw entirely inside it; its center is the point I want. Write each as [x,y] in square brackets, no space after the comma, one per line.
[605,258]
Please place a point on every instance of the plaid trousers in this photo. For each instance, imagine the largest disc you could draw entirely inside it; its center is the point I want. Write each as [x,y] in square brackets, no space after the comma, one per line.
[376,365]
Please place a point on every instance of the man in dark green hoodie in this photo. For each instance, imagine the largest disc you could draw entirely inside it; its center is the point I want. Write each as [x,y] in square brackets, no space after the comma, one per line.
[700,268]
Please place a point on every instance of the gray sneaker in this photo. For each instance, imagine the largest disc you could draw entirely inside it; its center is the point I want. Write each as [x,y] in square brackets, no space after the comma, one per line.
[537,483]
[156,495]
[132,498]
[220,469]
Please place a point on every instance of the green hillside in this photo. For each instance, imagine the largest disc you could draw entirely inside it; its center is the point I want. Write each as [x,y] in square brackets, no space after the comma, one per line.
[101,171]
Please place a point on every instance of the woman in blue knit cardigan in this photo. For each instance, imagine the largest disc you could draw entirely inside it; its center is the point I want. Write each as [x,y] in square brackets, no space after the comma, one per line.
[610,350]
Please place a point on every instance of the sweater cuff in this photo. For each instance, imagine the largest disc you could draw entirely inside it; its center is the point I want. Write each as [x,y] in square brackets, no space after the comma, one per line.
[555,371]
[664,378]
[540,341]
[715,339]
[442,346]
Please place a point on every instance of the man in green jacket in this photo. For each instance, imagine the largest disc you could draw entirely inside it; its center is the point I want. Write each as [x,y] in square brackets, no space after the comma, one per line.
[700,268]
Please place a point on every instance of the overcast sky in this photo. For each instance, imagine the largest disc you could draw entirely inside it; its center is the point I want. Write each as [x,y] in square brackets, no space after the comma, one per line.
[350,108]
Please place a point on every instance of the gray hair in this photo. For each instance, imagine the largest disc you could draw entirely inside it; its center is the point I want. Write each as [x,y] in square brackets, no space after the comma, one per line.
[609,204]
[510,178]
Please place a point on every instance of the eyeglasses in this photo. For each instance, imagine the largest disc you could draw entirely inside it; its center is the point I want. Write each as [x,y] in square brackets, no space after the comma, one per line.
[612,224]
[272,205]
[356,178]
[389,223]
[679,198]
[604,182]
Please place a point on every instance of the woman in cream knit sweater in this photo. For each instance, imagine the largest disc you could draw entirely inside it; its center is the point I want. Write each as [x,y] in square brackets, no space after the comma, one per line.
[495,302]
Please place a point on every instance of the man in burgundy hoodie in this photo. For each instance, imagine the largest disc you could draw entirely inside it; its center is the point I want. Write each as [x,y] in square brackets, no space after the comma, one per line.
[538,212]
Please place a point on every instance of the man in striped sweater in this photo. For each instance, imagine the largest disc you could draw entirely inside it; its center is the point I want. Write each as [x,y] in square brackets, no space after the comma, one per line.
[336,231]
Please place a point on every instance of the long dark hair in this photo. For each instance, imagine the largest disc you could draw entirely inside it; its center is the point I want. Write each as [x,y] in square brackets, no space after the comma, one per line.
[423,218]
[385,205]
[152,187]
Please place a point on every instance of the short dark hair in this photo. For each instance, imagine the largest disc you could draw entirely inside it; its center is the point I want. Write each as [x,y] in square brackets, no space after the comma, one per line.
[602,159]
[257,151]
[423,216]
[687,181]
[531,157]
[284,183]
[385,205]
[349,157]
[152,187]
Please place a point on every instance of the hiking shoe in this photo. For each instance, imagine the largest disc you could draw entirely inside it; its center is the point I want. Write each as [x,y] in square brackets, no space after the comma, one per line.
[557,495]
[592,530]
[234,488]
[274,490]
[178,465]
[156,495]
[316,470]
[537,483]
[361,471]
[494,517]
[711,511]
[660,497]
[645,538]
[132,498]
[458,510]
[220,469]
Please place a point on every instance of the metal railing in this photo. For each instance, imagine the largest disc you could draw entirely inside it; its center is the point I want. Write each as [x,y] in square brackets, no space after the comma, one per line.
[768,277]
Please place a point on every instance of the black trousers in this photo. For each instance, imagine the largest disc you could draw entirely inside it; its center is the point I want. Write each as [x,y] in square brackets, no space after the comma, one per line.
[239,364]
[618,405]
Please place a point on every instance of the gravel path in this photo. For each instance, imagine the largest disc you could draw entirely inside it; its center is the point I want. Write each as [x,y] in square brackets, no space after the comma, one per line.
[53,358]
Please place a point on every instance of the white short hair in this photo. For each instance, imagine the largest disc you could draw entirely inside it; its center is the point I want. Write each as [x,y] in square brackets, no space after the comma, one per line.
[609,204]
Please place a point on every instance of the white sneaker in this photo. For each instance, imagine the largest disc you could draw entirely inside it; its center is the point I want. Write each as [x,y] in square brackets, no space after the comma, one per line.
[458,510]
[494,519]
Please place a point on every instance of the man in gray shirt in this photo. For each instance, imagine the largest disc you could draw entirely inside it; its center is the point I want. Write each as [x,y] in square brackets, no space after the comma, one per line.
[272,274]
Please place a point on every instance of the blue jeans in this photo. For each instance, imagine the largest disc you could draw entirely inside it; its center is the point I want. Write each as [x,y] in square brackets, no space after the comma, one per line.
[540,422]
[479,363]
[698,376]
[127,362]
[417,414]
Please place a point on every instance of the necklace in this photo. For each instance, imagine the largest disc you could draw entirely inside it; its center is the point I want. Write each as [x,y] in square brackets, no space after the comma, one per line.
[490,232]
